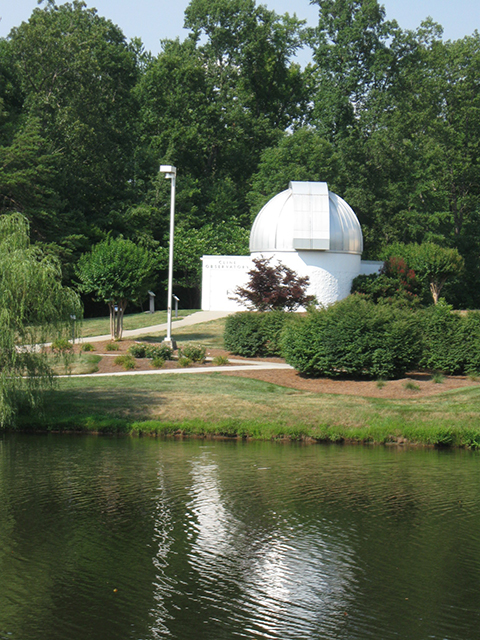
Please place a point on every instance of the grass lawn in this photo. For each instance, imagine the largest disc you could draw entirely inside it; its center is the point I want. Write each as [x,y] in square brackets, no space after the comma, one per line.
[101,326]
[208,334]
[216,404]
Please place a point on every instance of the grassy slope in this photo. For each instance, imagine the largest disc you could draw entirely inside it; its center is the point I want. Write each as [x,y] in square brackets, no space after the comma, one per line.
[220,405]
[216,404]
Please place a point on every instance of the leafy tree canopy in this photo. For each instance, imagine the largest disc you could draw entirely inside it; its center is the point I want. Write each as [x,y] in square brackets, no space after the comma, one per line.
[433,264]
[77,75]
[116,271]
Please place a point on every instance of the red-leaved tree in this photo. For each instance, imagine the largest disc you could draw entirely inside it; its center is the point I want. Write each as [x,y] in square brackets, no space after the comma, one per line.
[273,288]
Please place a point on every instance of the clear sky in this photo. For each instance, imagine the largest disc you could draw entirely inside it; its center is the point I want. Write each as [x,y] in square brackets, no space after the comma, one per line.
[153,20]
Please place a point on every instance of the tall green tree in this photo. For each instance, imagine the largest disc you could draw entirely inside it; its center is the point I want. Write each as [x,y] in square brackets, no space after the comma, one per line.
[77,74]
[210,104]
[34,307]
[303,155]
[353,61]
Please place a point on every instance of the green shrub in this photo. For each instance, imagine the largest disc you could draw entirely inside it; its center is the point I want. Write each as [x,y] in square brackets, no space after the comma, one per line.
[219,361]
[354,337]
[137,350]
[158,351]
[126,361]
[193,352]
[112,346]
[409,385]
[251,333]
[396,282]
[444,347]
[142,350]
[272,325]
[243,335]
[86,346]
[61,346]
[471,341]
[183,361]
[158,362]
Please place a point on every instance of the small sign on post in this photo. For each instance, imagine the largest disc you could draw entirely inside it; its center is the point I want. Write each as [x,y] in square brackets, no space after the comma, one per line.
[152,301]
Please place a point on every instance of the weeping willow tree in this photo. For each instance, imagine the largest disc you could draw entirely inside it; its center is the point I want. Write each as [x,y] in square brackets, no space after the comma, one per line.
[34,307]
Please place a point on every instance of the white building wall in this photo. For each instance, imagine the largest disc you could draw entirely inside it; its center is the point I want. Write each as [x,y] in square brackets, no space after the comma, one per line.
[220,276]
[368,267]
[330,274]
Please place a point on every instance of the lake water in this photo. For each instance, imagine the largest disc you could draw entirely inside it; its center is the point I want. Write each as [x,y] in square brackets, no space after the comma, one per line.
[121,538]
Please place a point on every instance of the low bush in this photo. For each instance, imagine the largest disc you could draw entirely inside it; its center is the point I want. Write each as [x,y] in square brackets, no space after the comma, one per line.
[354,337]
[112,346]
[142,350]
[61,346]
[272,325]
[358,337]
[395,282]
[137,350]
[193,352]
[251,333]
[86,346]
[162,351]
[183,361]
[219,361]
[126,361]
[158,362]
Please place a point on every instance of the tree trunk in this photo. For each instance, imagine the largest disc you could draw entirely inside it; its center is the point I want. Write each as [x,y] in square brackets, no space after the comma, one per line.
[122,305]
[111,308]
[435,287]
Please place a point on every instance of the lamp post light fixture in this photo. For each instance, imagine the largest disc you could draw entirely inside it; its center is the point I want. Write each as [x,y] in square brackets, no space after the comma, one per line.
[170,174]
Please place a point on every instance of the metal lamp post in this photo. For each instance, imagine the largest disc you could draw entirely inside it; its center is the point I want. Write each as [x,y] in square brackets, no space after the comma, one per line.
[170,174]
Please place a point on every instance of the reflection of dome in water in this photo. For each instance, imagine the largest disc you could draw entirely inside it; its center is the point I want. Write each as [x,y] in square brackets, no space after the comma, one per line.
[306,217]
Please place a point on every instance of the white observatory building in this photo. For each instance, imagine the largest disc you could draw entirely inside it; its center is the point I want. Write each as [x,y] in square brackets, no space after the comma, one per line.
[309,229]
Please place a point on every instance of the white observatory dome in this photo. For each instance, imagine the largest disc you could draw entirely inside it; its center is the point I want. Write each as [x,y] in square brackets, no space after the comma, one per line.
[306,217]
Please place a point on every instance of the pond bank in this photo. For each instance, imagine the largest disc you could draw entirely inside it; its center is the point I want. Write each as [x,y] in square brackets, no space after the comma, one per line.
[440,437]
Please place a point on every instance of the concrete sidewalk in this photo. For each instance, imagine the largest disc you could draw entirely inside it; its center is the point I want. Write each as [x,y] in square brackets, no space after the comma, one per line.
[258,366]
[194,318]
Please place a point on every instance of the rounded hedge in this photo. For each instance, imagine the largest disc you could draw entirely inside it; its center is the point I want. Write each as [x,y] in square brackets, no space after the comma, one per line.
[443,339]
[253,333]
[354,337]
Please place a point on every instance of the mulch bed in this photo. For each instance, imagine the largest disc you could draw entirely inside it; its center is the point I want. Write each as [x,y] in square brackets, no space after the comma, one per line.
[392,390]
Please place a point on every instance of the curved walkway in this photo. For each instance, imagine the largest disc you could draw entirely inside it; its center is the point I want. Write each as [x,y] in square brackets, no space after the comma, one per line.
[251,366]
[195,318]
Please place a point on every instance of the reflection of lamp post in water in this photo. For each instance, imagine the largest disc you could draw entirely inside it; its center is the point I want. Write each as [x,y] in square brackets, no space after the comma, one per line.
[170,174]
